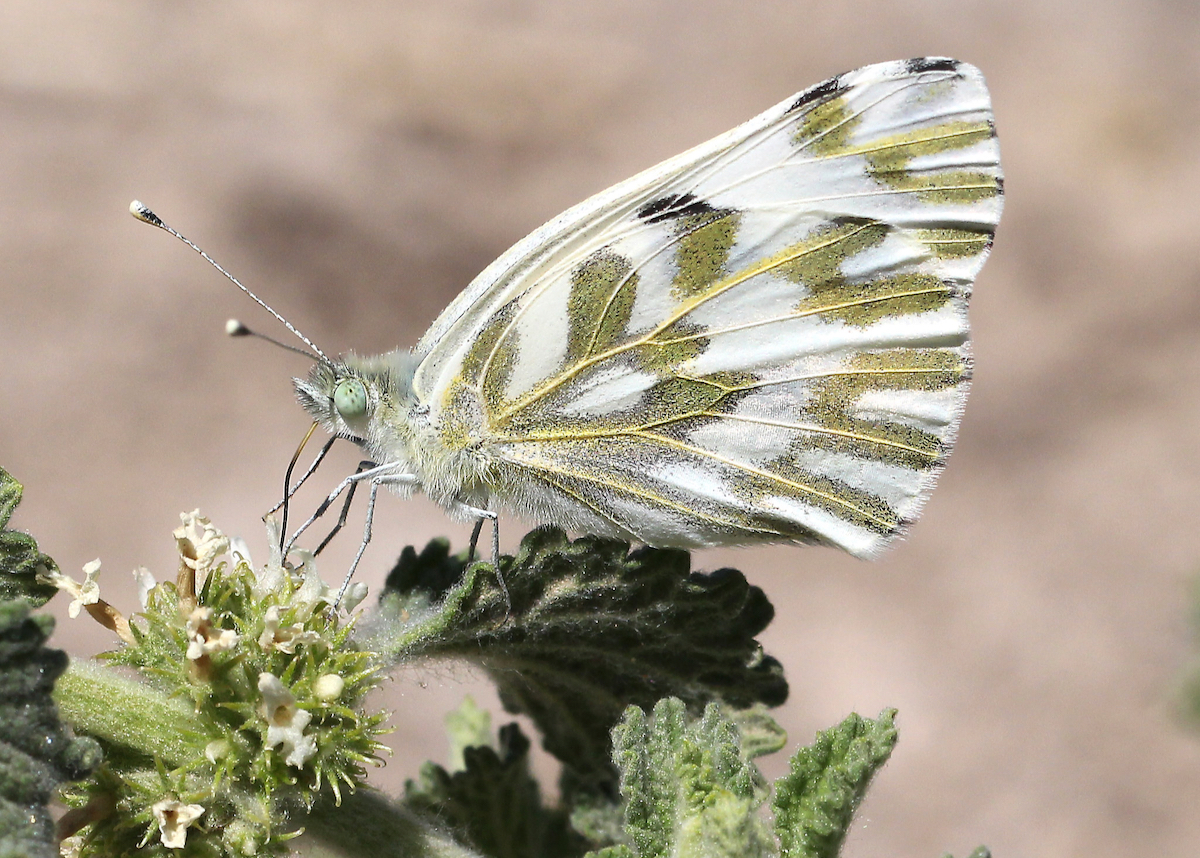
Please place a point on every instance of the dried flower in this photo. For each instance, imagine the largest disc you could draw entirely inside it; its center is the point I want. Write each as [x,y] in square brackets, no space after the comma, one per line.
[204,638]
[200,543]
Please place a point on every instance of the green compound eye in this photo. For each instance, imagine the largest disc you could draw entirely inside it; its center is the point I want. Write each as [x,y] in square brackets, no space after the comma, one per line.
[350,399]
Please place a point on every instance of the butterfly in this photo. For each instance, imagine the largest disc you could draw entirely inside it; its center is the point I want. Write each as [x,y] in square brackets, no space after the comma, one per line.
[763,339]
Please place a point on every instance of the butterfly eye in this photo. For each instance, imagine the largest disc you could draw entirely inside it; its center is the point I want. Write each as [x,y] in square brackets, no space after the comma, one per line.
[350,399]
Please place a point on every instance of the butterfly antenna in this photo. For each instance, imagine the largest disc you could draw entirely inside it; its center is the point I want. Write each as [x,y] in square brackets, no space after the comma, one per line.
[144,214]
[234,328]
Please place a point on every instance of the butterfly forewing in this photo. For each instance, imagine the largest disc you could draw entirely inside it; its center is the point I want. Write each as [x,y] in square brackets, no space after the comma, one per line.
[762,339]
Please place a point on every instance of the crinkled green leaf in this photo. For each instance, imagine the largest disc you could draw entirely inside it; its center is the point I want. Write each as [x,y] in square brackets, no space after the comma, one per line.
[36,752]
[613,852]
[20,559]
[592,628]
[468,726]
[815,802]
[494,804]
[980,852]
[688,785]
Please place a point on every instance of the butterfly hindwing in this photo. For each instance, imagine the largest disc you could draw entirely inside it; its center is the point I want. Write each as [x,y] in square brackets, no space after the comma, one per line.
[762,339]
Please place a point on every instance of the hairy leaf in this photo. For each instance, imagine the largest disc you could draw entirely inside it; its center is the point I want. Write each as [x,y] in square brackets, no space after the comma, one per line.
[20,560]
[688,785]
[815,802]
[592,629]
[494,803]
[36,752]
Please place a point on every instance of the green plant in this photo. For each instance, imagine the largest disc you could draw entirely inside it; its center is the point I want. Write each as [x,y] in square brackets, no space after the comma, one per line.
[234,713]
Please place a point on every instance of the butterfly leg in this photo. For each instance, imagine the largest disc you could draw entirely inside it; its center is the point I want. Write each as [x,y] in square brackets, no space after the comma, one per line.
[481,515]
[341,522]
[475,538]
[376,482]
[385,472]
[362,547]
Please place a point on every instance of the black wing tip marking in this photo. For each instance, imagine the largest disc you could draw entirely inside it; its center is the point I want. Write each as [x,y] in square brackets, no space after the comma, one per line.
[836,85]
[825,89]
[674,206]
[927,64]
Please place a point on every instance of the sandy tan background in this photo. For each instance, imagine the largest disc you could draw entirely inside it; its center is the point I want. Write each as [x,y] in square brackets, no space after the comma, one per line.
[358,163]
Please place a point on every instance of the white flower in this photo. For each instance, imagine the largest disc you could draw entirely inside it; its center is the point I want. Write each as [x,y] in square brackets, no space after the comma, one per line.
[283,638]
[354,595]
[145,583]
[200,543]
[204,638]
[86,593]
[312,589]
[174,817]
[272,577]
[240,551]
[285,721]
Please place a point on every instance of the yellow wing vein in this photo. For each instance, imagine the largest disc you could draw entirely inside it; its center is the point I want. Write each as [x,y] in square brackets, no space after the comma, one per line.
[891,192]
[815,311]
[818,430]
[634,269]
[649,497]
[697,451]
[831,374]
[684,309]
[800,487]
[851,117]
[642,430]
[867,148]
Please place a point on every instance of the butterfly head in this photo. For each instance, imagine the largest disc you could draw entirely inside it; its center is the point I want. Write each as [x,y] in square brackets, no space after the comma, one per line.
[360,399]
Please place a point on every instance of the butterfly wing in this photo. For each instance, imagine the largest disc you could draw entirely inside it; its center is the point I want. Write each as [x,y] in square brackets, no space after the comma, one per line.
[762,339]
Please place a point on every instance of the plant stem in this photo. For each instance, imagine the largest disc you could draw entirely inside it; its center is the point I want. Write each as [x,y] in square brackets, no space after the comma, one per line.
[98,701]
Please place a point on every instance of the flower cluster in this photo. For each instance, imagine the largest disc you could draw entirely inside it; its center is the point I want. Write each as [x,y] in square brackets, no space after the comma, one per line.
[276,690]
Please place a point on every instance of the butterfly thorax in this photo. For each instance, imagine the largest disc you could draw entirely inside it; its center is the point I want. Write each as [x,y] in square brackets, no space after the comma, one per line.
[371,401]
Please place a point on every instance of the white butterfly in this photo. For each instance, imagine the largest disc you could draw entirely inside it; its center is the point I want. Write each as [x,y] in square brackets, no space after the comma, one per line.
[762,339]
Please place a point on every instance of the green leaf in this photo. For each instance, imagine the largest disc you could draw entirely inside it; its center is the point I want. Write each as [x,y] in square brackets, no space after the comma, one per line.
[36,752]
[468,726]
[494,803]
[367,823]
[592,629]
[688,785]
[980,852]
[20,560]
[612,852]
[815,802]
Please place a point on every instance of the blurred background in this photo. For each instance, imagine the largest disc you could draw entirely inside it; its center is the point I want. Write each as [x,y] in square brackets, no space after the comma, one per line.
[357,164]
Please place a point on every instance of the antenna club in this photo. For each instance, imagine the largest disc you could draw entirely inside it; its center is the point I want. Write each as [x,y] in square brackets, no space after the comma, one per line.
[143,213]
[234,328]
